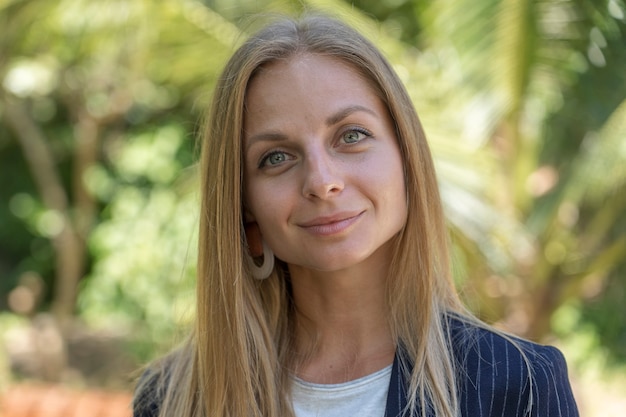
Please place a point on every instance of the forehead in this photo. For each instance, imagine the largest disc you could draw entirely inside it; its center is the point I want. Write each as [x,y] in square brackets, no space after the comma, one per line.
[306,79]
[306,59]
[304,67]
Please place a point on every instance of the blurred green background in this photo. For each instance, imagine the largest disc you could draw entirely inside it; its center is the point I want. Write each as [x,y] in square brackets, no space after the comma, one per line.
[524,104]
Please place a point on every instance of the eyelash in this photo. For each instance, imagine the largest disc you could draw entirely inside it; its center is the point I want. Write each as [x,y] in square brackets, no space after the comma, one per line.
[358,129]
[266,157]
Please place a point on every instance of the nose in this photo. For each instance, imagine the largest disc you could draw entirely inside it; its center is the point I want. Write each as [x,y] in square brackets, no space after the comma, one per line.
[323,177]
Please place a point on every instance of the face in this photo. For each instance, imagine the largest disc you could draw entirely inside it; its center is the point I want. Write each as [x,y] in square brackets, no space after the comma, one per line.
[323,170]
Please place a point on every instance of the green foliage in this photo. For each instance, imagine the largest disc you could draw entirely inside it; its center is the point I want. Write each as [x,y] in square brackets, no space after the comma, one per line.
[112,93]
[145,245]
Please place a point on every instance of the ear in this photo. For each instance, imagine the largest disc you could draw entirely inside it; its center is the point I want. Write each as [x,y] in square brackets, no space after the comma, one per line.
[248,217]
[254,239]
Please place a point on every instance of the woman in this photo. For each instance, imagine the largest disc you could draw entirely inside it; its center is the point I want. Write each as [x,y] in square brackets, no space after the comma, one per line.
[323,282]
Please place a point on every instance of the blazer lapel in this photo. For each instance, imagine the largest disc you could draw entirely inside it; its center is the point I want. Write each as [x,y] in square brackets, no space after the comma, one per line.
[396,396]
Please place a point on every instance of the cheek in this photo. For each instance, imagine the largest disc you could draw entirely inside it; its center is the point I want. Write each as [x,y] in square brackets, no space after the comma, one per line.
[387,174]
[390,182]
[266,203]
[396,195]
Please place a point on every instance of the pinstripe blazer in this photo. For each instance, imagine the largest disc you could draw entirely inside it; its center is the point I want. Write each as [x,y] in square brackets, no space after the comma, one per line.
[493,379]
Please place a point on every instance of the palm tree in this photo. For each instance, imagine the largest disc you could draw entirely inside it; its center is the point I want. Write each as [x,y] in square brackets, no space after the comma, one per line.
[545,80]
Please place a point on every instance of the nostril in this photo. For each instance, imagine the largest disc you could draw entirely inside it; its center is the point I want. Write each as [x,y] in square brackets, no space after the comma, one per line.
[322,175]
[323,189]
[333,188]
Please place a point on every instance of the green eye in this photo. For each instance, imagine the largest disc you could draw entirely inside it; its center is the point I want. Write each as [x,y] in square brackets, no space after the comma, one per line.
[274,158]
[351,137]
[355,135]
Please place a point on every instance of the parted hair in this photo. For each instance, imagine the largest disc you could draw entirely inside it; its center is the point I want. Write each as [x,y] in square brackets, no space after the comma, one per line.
[236,361]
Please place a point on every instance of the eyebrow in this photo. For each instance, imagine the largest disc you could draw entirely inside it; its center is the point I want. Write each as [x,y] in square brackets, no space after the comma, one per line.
[343,113]
[330,120]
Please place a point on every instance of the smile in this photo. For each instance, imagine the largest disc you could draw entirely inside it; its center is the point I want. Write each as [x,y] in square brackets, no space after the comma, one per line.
[327,226]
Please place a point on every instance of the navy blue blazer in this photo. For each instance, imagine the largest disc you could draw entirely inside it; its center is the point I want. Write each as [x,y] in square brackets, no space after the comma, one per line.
[492,379]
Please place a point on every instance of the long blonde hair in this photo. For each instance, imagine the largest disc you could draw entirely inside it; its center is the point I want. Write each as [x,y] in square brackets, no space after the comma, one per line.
[235,362]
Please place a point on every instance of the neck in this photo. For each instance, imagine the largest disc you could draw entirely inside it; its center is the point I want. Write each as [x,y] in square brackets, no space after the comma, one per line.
[342,324]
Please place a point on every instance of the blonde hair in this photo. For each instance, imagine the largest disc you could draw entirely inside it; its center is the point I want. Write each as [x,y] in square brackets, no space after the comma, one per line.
[235,362]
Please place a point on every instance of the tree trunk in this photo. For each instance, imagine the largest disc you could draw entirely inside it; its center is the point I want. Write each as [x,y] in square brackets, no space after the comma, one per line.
[69,247]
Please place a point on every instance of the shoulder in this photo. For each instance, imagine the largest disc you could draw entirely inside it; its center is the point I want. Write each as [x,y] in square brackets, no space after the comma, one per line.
[149,392]
[487,349]
[159,381]
[504,375]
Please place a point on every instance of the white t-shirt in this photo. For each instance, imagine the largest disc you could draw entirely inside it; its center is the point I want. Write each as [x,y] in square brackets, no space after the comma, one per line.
[363,397]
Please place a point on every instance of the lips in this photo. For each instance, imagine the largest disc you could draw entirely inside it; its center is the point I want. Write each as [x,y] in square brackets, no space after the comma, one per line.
[330,225]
